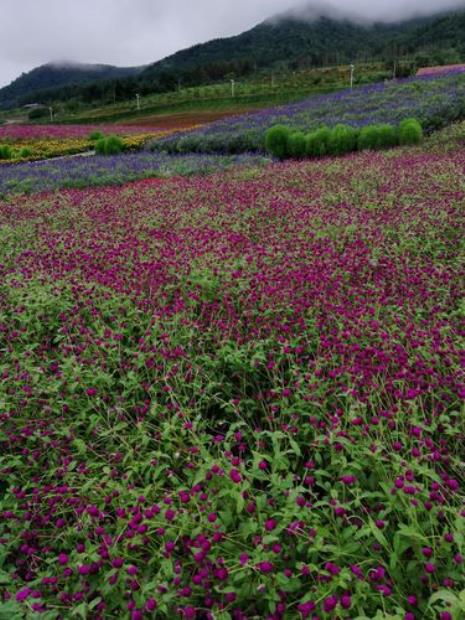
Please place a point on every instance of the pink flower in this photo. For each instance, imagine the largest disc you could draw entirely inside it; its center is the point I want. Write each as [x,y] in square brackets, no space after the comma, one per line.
[329,604]
[243,558]
[265,567]
[235,475]
[23,594]
[346,601]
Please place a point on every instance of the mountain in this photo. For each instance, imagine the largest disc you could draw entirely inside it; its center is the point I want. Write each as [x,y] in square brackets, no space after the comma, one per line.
[306,38]
[297,39]
[52,76]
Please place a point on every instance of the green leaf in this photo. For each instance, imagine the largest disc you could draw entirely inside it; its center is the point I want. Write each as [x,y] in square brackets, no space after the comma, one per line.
[10,610]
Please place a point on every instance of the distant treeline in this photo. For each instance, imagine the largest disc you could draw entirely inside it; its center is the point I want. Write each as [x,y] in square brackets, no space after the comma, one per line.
[287,45]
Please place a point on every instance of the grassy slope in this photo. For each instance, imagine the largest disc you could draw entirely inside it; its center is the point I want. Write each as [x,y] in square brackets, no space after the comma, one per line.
[258,91]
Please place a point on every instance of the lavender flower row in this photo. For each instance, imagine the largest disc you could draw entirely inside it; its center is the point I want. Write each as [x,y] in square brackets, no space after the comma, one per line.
[434,101]
[99,170]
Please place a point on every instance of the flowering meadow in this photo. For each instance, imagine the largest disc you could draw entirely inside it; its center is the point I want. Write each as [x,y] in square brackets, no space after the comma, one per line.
[434,101]
[114,170]
[27,133]
[36,142]
[237,396]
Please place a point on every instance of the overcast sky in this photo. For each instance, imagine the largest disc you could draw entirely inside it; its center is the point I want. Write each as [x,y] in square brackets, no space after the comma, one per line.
[136,32]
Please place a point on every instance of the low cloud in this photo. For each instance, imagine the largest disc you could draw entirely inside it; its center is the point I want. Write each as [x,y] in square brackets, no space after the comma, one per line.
[138,32]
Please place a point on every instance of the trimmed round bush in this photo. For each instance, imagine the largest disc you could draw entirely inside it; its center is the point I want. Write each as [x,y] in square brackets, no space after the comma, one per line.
[343,139]
[276,140]
[109,146]
[410,132]
[368,138]
[316,142]
[100,146]
[96,135]
[114,145]
[5,151]
[375,137]
[296,145]
[388,136]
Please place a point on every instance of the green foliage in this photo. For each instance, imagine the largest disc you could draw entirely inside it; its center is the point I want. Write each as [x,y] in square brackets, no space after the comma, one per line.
[410,132]
[5,151]
[96,135]
[343,139]
[276,141]
[283,142]
[25,152]
[375,137]
[316,143]
[109,146]
[296,145]
[38,114]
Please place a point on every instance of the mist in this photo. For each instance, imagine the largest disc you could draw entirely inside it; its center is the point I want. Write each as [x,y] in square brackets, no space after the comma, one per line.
[138,32]
[366,11]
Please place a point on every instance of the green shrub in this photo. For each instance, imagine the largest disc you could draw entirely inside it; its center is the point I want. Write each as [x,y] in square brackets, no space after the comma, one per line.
[375,137]
[368,138]
[96,135]
[316,142]
[5,151]
[100,146]
[109,146]
[276,139]
[114,145]
[388,136]
[25,152]
[343,139]
[296,145]
[410,132]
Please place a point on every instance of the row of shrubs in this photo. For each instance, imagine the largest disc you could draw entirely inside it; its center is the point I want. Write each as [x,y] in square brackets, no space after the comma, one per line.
[283,142]
[6,152]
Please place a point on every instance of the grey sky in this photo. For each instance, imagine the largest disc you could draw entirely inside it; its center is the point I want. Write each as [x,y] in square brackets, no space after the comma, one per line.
[135,32]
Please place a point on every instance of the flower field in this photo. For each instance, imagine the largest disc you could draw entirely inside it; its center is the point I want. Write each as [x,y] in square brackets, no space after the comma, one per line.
[36,142]
[104,170]
[27,133]
[237,395]
[434,101]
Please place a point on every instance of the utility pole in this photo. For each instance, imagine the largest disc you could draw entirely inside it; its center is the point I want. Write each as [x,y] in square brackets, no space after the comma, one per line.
[138,102]
[51,113]
[233,88]
[352,69]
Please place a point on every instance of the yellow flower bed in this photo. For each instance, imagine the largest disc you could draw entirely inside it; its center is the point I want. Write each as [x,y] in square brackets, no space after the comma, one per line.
[46,148]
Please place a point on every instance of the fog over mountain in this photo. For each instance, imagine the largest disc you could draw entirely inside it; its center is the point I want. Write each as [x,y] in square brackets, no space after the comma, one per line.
[138,32]
[364,11]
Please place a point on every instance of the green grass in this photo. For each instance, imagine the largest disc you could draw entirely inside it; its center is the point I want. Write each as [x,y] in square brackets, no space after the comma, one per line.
[259,90]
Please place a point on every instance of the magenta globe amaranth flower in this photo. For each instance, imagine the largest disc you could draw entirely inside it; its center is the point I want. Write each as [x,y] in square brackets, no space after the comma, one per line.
[265,567]
[235,475]
[329,604]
